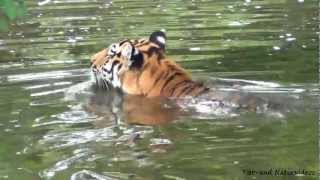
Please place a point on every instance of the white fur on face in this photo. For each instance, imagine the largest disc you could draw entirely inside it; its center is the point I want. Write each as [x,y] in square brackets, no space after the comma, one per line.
[116,80]
[113,49]
[127,51]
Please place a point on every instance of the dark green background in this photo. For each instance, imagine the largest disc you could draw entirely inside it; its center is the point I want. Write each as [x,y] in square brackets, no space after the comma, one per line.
[44,49]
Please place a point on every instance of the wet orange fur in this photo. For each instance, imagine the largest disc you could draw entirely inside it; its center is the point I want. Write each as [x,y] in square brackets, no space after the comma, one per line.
[150,79]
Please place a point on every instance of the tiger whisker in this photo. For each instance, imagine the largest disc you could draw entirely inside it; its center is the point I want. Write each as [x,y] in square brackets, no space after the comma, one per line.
[98,80]
[106,84]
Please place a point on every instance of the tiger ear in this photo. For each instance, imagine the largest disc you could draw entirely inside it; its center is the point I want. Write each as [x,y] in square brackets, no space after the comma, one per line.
[159,38]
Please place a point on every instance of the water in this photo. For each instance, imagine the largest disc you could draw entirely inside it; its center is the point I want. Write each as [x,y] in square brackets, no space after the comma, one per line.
[54,126]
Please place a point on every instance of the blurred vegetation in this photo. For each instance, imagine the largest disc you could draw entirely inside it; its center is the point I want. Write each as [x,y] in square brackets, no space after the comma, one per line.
[9,11]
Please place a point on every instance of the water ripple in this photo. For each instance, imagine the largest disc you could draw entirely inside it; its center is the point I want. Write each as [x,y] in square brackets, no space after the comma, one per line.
[87,174]
[64,130]
[67,139]
[79,154]
[61,74]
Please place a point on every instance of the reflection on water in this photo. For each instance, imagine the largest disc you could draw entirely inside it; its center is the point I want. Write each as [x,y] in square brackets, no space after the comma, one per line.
[55,126]
[136,110]
[226,99]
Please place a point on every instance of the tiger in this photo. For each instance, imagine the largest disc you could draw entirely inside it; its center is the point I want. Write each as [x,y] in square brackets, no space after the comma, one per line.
[140,67]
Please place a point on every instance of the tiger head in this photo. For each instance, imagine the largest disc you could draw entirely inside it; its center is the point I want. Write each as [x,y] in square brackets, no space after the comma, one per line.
[140,67]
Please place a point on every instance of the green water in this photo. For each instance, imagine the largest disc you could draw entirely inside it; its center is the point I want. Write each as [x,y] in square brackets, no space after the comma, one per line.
[52,126]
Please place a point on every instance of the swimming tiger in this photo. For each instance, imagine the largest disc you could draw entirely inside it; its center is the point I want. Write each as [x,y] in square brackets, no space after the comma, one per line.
[140,67]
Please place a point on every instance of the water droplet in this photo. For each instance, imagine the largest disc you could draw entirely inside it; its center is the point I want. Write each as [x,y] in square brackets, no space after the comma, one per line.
[7,130]
[79,38]
[160,141]
[41,3]
[235,23]
[71,40]
[290,39]
[300,1]
[194,49]
[50,38]
[13,121]
[276,48]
